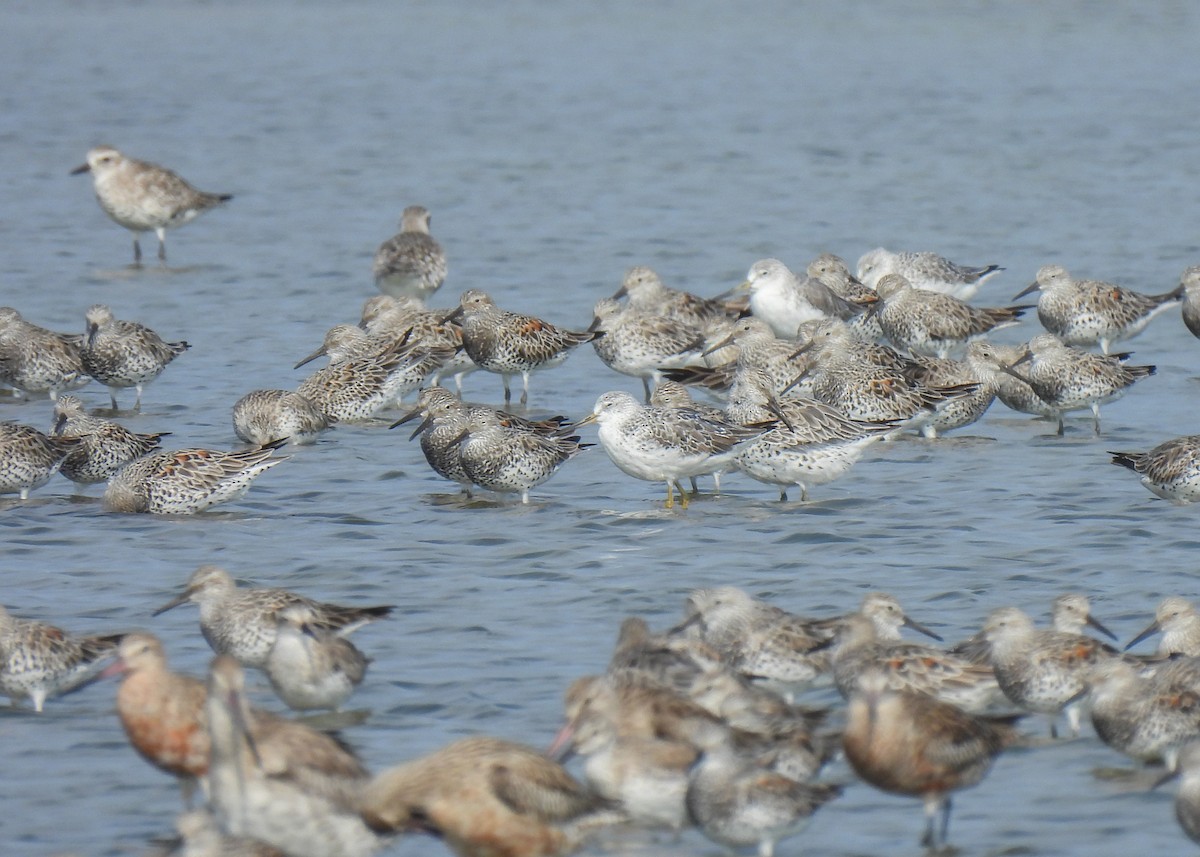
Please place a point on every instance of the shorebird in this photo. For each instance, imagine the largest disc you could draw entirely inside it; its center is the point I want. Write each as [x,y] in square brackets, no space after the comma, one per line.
[279,781]
[944,373]
[1069,614]
[487,797]
[668,660]
[649,296]
[360,386]
[868,381]
[1071,379]
[664,444]
[347,345]
[1190,283]
[931,323]
[812,444]
[1147,716]
[29,458]
[990,363]
[858,649]
[143,197]
[508,343]
[1042,671]
[1176,619]
[122,354]
[646,776]
[386,317]
[1091,312]
[37,361]
[410,263]
[784,301]
[502,457]
[738,803]
[39,661]
[925,270]
[104,446]
[913,744]
[244,622]
[833,272]
[311,667]
[186,481]
[263,416]
[1187,799]
[161,711]
[639,344]
[759,641]
[1171,470]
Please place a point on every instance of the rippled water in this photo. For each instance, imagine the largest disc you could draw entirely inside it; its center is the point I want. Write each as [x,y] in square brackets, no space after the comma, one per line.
[556,146]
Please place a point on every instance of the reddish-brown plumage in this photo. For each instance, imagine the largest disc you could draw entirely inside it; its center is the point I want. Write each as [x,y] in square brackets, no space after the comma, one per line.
[162,712]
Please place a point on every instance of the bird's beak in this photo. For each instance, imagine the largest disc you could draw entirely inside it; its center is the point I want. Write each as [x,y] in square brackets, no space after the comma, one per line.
[1032,287]
[174,602]
[82,168]
[1151,629]
[310,358]
[920,629]
[1095,623]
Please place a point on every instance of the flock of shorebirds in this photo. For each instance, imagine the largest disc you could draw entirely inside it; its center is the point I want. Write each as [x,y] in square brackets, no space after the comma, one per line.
[696,726]
[813,369]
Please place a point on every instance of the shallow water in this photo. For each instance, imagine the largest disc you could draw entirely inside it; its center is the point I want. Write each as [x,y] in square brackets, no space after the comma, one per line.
[556,147]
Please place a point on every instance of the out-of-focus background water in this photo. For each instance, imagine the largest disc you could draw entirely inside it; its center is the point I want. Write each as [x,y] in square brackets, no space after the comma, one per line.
[557,145]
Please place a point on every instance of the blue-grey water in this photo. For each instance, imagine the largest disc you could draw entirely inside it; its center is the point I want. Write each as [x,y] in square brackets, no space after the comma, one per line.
[557,145]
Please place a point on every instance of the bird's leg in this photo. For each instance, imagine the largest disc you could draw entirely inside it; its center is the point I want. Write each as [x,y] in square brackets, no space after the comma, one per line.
[161,232]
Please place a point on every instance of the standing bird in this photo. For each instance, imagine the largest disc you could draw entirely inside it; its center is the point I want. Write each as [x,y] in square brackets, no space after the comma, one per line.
[912,744]
[34,360]
[1071,379]
[142,196]
[244,622]
[124,353]
[509,459]
[784,301]
[737,802]
[925,270]
[410,263]
[311,667]
[648,295]
[1043,671]
[486,797]
[29,458]
[104,446]
[38,661]
[1171,470]
[1146,716]
[185,481]
[931,323]
[162,712]
[508,343]
[1091,312]
[279,781]
[639,344]
[664,444]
